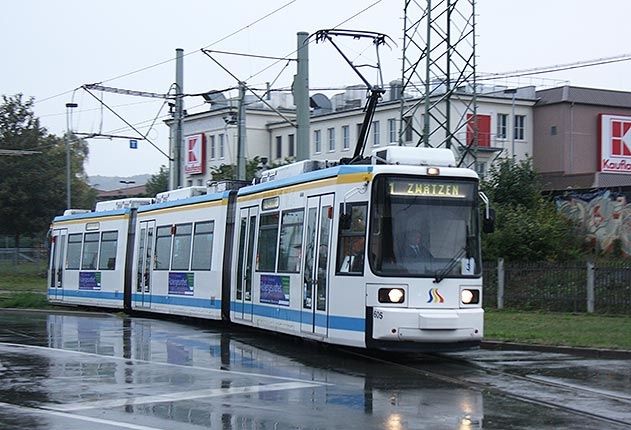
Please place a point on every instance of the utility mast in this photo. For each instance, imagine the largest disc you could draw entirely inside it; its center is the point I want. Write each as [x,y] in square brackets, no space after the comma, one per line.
[439,72]
[175,153]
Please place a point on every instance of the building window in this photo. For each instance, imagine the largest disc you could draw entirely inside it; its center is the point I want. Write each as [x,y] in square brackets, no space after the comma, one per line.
[346,137]
[407,123]
[359,131]
[331,138]
[213,152]
[502,125]
[375,133]
[479,130]
[292,148]
[221,146]
[279,147]
[480,168]
[553,130]
[317,141]
[520,121]
[392,130]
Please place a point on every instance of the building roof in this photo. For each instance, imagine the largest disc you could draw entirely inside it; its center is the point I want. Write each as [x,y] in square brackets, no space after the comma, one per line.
[590,96]
[138,190]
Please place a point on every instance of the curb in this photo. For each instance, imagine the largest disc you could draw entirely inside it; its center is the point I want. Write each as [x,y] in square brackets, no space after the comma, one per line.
[498,345]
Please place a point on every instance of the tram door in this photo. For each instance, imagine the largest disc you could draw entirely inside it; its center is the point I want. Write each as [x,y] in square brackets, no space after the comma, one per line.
[315,315]
[245,263]
[58,256]
[146,240]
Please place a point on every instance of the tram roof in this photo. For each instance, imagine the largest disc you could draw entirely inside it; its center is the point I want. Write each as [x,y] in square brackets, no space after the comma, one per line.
[187,201]
[316,175]
[89,215]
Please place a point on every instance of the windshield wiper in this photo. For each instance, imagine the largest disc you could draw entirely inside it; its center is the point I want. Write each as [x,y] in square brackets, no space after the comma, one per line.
[452,263]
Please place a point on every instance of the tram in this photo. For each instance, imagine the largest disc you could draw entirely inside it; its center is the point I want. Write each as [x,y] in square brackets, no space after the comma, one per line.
[383,255]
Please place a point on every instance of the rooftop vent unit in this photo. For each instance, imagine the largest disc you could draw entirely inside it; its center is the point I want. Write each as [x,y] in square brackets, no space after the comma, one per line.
[228,185]
[76,211]
[111,205]
[291,170]
[413,156]
[179,194]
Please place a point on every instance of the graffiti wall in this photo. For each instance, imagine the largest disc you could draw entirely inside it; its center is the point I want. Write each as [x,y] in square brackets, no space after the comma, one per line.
[603,215]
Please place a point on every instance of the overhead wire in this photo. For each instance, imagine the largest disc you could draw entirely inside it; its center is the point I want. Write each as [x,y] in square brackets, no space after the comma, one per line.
[142,69]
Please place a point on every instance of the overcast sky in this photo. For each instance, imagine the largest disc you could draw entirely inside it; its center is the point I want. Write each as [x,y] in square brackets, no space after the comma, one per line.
[52,47]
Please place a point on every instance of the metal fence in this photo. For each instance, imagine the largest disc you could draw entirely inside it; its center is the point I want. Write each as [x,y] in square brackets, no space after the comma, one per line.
[23,260]
[603,287]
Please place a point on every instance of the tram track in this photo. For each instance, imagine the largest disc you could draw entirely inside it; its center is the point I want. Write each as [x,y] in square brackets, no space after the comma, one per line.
[518,387]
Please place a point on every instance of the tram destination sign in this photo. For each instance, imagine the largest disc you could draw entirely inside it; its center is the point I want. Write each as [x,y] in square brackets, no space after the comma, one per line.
[420,188]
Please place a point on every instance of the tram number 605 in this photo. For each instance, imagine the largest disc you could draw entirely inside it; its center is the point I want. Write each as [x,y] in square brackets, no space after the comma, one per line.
[377,315]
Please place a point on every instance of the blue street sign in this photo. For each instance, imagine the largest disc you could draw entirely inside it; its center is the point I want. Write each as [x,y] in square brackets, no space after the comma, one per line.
[133,144]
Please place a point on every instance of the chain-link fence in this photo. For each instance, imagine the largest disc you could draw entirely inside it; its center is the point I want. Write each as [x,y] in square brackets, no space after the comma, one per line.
[603,287]
[23,260]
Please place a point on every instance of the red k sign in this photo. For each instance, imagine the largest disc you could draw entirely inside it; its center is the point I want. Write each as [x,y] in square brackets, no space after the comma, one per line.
[195,154]
[620,138]
[192,146]
[615,144]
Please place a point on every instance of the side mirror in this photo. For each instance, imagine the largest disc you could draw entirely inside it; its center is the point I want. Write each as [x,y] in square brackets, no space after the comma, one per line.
[345,221]
[488,224]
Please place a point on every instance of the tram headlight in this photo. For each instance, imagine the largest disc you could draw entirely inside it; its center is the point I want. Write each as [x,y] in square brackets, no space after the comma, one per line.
[470,297]
[391,295]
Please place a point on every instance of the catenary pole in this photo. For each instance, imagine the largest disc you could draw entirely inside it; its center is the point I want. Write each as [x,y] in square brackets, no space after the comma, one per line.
[301,98]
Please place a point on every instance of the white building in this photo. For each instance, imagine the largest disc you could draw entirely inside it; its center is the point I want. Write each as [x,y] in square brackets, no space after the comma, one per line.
[335,126]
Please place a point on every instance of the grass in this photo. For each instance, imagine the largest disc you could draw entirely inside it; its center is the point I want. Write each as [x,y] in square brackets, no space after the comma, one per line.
[549,328]
[22,277]
[23,286]
[25,301]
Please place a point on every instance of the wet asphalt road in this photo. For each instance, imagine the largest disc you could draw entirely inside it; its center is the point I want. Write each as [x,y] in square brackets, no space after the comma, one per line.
[82,371]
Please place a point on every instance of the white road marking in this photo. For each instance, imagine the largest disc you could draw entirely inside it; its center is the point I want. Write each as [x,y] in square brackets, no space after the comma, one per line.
[156,363]
[79,417]
[176,397]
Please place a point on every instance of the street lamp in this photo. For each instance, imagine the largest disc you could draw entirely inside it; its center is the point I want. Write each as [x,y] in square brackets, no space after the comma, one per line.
[512,91]
[69,107]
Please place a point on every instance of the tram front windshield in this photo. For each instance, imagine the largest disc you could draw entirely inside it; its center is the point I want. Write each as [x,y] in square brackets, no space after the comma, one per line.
[424,227]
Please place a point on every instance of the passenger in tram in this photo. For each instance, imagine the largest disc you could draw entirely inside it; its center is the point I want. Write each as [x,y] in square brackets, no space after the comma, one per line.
[354,262]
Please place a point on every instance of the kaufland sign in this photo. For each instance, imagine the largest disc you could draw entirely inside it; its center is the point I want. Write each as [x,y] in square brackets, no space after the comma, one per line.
[615,144]
[195,154]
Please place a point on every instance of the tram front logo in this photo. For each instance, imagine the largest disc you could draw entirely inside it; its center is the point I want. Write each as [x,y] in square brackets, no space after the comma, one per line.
[435,297]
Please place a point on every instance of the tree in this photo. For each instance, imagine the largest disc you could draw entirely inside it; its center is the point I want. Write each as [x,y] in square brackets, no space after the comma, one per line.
[33,187]
[159,182]
[528,227]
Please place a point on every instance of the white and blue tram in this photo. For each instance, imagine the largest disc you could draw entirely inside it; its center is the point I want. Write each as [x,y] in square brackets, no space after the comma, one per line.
[325,253]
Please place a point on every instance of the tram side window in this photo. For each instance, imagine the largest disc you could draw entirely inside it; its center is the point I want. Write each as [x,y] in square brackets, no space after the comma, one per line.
[107,255]
[268,239]
[181,251]
[73,259]
[203,245]
[163,248]
[289,252]
[352,239]
[90,251]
